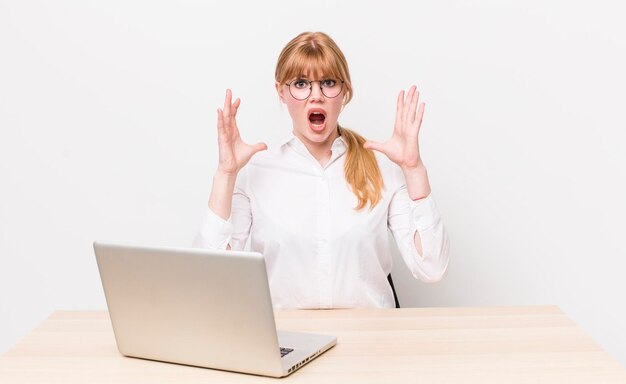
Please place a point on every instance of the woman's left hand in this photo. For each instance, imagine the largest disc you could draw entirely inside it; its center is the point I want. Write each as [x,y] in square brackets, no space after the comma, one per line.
[403,146]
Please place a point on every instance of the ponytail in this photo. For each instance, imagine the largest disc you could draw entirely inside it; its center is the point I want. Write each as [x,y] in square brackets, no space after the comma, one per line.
[361,170]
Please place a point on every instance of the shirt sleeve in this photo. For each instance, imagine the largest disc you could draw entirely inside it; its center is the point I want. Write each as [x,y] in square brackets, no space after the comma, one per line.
[216,233]
[405,218]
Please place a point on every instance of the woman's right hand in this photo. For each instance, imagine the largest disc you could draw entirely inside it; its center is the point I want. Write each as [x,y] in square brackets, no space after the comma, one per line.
[234,153]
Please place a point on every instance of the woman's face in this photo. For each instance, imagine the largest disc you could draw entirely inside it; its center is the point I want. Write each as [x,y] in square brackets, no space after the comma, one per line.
[315,118]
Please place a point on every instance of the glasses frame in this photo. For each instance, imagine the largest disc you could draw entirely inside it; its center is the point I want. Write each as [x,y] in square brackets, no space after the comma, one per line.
[311,88]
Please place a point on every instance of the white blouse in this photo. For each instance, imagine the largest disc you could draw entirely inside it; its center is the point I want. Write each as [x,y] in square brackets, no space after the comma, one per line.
[319,251]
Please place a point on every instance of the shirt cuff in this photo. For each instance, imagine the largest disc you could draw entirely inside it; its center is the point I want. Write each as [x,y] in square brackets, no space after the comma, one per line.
[215,232]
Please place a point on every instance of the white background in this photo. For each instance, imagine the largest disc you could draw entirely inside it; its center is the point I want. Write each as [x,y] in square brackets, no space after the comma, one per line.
[107,119]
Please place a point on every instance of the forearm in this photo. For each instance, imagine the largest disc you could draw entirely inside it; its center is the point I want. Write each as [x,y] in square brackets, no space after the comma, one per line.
[418,187]
[221,198]
[418,230]
[417,183]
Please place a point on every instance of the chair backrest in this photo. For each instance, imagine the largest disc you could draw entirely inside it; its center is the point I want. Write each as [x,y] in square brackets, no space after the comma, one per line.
[395,295]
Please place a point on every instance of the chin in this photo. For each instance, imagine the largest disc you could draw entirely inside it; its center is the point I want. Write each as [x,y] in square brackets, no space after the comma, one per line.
[318,137]
[313,133]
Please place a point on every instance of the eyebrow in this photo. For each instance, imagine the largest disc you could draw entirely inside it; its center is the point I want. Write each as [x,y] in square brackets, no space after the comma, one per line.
[304,77]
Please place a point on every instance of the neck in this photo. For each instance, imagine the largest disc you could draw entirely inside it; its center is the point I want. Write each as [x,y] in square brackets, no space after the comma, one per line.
[321,151]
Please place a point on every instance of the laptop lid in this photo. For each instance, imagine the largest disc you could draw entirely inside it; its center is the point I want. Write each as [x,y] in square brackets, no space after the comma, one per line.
[191,306]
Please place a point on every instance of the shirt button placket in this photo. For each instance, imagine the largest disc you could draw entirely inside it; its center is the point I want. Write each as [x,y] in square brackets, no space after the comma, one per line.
[323,241]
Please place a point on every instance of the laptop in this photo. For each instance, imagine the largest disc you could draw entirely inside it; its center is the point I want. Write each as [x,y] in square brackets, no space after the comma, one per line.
[202,308]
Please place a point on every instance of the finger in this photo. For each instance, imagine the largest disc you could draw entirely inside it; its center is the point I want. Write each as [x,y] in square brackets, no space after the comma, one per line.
[413,106]
[399,106]
[234,128]
[227,99]
[407,103]
[250,150]
[221,130]
[227,106]
[236,105]
[420,116]
[375,146]
[259,147]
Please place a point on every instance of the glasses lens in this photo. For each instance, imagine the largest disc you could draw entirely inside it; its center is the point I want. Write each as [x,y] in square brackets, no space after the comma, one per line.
[331,88]
[300,89]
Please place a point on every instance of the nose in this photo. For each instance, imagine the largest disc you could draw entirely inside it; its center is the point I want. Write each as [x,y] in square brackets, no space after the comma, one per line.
[316,92]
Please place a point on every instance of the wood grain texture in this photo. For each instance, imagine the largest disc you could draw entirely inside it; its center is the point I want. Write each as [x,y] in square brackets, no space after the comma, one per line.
[422,345]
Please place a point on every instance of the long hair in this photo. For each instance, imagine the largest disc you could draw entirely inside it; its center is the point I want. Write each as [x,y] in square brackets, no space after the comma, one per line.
[315,53]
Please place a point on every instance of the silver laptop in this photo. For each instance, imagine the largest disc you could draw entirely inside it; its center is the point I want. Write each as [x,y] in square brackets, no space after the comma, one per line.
[196,307]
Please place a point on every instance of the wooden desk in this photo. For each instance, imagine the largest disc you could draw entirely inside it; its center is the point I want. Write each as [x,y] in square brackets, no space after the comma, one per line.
[429,345]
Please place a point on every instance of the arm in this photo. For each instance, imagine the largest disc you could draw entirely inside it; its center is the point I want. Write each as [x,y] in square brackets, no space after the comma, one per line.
[220,204]
[409,220]
[234,153]
[418,187]
[232,233]
[403,149]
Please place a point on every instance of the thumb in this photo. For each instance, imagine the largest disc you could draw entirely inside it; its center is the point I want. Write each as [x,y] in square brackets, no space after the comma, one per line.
[374,145]
[259,147]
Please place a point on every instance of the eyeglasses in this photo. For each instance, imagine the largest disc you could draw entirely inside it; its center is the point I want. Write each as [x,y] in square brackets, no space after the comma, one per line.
[300,89]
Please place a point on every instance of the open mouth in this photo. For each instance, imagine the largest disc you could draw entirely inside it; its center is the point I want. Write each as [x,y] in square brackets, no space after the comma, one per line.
[317,117]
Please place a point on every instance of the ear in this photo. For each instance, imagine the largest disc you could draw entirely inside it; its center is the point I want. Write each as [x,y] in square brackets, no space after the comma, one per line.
[279,90]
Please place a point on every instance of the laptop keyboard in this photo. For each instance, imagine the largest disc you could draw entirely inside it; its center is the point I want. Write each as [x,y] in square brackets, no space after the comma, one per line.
[284,351]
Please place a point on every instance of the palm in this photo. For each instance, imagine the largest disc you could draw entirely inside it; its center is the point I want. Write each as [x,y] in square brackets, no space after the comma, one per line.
[403,146]
[234,153]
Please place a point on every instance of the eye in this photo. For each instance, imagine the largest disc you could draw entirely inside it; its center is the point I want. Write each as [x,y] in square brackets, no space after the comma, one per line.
[300,84]
[329,83]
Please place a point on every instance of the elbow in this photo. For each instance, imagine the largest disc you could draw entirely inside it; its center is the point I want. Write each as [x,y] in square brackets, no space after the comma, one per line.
[201,241]
[432,273]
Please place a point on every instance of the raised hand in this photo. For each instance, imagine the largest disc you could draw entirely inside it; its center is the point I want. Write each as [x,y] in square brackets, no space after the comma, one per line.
[234,153]
[403,146]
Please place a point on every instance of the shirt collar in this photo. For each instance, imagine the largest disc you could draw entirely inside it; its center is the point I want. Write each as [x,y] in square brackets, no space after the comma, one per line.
[338,147]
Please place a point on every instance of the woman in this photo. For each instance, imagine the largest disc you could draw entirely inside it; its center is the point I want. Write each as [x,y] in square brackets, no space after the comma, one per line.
[318,206]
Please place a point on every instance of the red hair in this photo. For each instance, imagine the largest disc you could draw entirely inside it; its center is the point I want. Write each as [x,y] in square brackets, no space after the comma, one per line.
[316,54]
